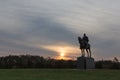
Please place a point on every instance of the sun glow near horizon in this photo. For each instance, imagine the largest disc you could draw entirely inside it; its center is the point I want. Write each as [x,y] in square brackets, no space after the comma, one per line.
[63,52]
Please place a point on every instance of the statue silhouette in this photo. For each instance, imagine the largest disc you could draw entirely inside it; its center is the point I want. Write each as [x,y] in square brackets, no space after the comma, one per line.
[84,45]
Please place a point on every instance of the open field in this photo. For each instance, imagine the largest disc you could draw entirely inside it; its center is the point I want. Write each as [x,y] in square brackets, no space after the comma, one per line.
[58,74]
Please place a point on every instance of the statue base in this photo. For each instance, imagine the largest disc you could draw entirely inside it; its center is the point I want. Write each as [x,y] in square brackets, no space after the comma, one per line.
[85,63]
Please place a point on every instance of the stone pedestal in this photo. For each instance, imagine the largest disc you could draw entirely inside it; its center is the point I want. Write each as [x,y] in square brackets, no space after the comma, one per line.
[85,63]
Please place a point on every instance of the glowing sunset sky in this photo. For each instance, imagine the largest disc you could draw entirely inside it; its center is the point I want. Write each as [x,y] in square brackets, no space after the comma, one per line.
[51,27]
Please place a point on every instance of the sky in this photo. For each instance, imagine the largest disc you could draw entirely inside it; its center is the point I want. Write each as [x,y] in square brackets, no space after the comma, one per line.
[50,27]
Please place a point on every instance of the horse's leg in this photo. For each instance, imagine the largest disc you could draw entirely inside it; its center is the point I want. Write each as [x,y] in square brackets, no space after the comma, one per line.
[87,52]
[90,52]
[82,52]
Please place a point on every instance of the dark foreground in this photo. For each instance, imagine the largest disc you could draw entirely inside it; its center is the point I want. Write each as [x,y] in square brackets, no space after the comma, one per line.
[58,74]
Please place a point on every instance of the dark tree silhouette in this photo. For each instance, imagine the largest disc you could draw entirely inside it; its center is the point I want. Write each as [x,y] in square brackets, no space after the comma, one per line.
[29,61]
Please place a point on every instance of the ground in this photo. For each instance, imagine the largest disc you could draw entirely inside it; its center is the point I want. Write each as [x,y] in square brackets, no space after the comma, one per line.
[58,74]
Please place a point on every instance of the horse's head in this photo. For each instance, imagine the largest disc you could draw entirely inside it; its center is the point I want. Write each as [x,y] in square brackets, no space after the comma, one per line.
[79,39]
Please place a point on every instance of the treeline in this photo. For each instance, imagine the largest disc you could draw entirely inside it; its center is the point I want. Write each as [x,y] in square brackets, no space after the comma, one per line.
[29,61]
[107,64]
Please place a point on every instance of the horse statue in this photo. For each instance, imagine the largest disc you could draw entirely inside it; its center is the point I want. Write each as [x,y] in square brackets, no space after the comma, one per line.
[84,45]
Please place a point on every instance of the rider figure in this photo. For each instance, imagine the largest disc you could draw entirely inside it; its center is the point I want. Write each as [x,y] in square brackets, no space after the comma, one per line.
[85,39]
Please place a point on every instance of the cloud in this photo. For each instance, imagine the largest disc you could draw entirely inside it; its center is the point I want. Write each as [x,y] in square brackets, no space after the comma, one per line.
[31,31]
[35,24]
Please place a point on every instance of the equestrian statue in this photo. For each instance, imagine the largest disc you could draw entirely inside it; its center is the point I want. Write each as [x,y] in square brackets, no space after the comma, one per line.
[84,45]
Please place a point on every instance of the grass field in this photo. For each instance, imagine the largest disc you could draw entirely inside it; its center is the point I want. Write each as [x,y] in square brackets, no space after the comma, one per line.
[58,74]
